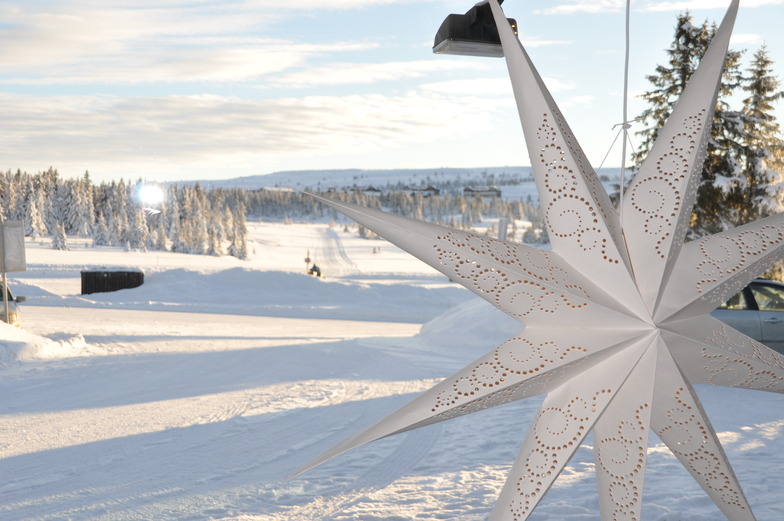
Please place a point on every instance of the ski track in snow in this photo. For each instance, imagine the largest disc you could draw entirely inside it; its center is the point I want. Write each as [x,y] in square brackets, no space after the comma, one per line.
[195,396]
[337,259]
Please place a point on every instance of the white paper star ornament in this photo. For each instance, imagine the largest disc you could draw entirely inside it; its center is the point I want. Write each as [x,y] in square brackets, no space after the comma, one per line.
[616,315]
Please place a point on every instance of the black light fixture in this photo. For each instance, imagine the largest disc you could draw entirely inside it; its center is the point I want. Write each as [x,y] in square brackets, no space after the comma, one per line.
[471,34]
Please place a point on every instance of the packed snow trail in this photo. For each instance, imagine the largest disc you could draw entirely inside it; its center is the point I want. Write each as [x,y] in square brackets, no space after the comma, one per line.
[337,260]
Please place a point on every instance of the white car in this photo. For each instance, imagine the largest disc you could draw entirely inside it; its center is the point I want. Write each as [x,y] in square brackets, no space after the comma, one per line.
[758,311]
[13,309]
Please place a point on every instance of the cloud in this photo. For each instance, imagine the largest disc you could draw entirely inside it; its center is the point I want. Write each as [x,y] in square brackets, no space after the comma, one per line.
[164,132]
[612,6]
[491,87]
[746,39]
[473,87]
[530,42]
[584,6]
[581,100]
[365,73]
[237,63]
[84,42]
[693,5]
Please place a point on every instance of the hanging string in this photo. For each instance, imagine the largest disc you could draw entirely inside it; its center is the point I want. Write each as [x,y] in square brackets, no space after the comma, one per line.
[625,123]
[610,149]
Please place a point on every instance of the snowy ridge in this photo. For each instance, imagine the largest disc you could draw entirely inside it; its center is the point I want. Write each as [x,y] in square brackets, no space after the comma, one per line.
[516,182]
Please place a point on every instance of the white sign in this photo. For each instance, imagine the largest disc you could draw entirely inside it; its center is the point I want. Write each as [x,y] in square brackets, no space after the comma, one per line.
[12,248]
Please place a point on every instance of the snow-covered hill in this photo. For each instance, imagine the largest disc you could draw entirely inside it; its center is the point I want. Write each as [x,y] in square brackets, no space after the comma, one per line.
[516,182]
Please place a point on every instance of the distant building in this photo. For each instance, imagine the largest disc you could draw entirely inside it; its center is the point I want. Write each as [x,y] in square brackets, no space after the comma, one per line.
[481,191]
[426,192]
[368,190]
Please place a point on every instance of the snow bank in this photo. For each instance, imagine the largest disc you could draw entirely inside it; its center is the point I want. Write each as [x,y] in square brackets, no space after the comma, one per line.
[470,326]
[247,291]
[20,346]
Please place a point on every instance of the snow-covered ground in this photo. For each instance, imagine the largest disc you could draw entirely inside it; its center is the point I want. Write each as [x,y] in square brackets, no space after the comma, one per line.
[196,395]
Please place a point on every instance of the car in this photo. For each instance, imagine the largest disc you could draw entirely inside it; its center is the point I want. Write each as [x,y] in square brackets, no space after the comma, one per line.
[757,311]
[13,309]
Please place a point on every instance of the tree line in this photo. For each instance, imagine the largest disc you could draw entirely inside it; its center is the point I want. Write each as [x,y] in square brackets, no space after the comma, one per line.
[192,219]
[188,219]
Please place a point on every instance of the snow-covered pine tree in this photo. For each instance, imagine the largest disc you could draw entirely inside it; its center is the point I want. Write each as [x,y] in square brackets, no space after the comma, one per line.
[101,235]
[762,157]
[159,232]
[763,160]
[138,234]
[213,244]
[124,214]
[25,203]
[59,238]
[10,194]
[228,224]
[688,46]
[37,225]
[711,212]
[4,182]
[201,214]
[240,233]
[57,209]
[173,218]
[71,207]
[86,206]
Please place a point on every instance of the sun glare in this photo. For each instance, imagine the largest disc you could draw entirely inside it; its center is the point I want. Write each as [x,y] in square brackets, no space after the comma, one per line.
[149,195]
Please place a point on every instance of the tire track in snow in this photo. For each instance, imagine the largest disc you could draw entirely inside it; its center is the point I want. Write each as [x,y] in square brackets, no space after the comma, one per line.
[415,446]
[330,254]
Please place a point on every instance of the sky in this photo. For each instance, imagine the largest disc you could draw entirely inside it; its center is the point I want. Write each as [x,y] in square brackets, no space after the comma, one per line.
[170,90]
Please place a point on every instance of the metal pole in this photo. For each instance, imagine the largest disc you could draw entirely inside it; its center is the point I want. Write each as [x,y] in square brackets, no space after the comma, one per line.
[5,282]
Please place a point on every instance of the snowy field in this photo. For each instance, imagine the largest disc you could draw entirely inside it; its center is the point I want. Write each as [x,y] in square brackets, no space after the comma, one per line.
[196,395]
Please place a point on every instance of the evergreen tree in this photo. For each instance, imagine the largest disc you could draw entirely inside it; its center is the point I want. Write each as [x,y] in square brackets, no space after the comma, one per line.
[25,207]
[138,234]
[37,226]
[688,46]
[228,224]
[101,235]
[213,245]
[240,233]
[59,238]
[722,169]
[159,233]
[762,159]
[85,206]
[713,211]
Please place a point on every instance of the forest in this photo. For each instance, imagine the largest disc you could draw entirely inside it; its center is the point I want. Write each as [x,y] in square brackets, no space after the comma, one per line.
[188,218]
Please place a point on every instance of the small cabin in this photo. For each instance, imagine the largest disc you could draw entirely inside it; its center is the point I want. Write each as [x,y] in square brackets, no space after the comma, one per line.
[368,190]
[426,192]
[481,191]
